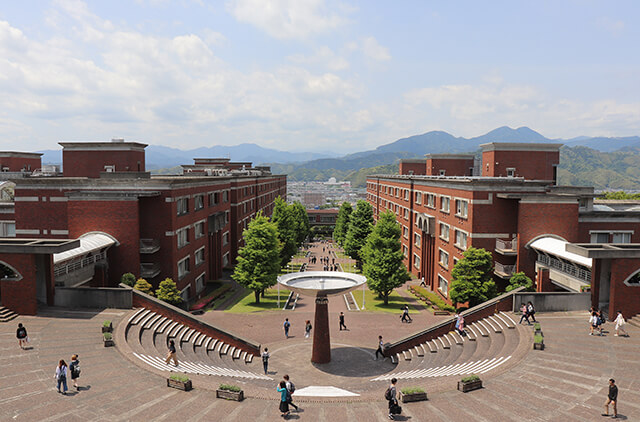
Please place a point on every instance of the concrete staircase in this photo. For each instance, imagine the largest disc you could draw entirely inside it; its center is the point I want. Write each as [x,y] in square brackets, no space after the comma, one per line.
[7,314]
[634,320]
[489,343]
[148,334]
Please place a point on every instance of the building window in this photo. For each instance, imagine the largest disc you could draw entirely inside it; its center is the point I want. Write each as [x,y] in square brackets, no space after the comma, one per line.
[182,205]
[445,203]
[444,231]
[406,194]
[226,217]
[199,230]
[444,259]
[225,239]
[418,198]
[405,251]
[199,254]
[185,293]
[417,240]
[198,202]
[200,283]
[443,172]
[416,261]
[225,196]
[7,229]
[462,208]
[511,172]
[431,200]
[184,266]
[443,285]
[461,240]
[183,237]
[225,260]
[600,237]
[406,213]
[455,261]
[405,232]
[621,238]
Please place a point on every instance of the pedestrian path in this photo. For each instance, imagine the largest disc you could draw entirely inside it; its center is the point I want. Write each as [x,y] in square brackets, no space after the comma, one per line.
[197,368]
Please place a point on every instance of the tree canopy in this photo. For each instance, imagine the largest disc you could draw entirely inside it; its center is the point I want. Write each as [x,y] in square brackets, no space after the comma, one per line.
[342,223]
[360,226]
[472,281]
[168,292]
[258,260]
[302,222]
[382,257]
[285,219]
[520,279]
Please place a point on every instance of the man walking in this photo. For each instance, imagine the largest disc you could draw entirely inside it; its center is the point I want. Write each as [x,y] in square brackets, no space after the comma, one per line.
[342,321]
[380,348]
[265,360]
[290,389]
[390,395]
[287,325]
[405,314]
[612,398]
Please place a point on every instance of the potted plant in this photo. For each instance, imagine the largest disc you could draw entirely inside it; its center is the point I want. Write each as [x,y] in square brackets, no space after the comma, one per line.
[179,381]
[108,339]
[230,392]
[107,327]
[538,342]
[537,329]
[412,394]
[470,383]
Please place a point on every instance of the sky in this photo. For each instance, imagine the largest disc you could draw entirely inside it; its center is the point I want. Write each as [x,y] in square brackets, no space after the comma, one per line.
[313,75]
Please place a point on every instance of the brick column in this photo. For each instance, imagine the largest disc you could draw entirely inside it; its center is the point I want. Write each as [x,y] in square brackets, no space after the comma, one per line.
[321,352]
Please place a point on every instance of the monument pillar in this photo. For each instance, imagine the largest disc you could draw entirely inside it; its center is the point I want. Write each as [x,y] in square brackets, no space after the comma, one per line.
[321,343]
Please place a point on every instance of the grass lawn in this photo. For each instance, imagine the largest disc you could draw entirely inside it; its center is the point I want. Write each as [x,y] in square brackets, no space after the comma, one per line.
[269,302]
[293,267]
[372,303]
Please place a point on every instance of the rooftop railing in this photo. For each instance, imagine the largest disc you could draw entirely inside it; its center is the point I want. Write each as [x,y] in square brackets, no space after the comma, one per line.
[565,267]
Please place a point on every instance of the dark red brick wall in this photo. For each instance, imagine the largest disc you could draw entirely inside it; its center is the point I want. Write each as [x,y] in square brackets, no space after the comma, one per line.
[622,297]
[43,214]
[584,228]
[416,168]
[17,163]
[532,165]
[20,296]
[91,163]
[120,219]
[452,167]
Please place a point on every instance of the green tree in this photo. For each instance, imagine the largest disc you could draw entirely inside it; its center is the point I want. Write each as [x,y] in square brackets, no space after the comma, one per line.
[342,223]
[520,279]
[361,224]
[472,280]
[128,279]
[144,286]
[168,292]
[383,258]
[258,261]
[283,217]
[302,222]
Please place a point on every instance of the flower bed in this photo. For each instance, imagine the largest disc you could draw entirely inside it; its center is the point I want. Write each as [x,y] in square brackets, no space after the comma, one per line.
[431,299]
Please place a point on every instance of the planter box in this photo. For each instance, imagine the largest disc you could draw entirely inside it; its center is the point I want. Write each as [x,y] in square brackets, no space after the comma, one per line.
[408,398]
[469,386]
[230,395]
[108,329]
[185,386]
[108,343]
[538,346]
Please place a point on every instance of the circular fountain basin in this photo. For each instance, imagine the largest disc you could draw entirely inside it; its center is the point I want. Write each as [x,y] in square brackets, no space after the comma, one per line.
[321,283]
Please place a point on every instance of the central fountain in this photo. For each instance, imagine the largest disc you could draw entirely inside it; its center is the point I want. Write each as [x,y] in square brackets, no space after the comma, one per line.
[320,285]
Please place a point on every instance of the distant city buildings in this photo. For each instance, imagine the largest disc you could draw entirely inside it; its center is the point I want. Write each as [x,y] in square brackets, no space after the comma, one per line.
[510,205]
[323,194]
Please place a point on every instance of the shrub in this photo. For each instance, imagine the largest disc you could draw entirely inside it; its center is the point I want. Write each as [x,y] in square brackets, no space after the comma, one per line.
[434,298]
[470,378]
[538,338]
[128,279]
[412,390]
[536,326]
[144,286]
[106,324]
[107,336]
[228,387]
[179,377]
[168,292]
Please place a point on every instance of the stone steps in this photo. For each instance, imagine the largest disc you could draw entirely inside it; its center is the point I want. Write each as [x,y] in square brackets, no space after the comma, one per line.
[7,314]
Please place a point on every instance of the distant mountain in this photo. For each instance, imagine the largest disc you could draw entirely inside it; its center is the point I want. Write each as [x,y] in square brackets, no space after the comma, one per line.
[583,166]
[506,134]
[604,144]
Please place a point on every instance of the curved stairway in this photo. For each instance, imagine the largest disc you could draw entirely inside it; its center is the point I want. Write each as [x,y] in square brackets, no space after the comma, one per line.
[148,334]
[489,343]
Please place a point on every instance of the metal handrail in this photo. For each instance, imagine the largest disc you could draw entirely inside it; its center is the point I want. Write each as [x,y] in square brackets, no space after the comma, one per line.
[564,267]
[74,266]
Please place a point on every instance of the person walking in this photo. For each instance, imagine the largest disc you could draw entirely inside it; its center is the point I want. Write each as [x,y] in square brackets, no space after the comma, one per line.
[21,334]
[290,389]
[612,399]
[460,325]
[171,354]
[307,329]
[422,283]
[593,322]
[74,368]
[390,395]
[405,314]
[61,376]
[284,401]
[342,321]
[380,348]
[286,326]
[619,324]
[265,360]
[531,311]
[525,314]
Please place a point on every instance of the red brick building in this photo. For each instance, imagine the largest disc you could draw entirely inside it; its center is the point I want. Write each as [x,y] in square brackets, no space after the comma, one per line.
[186,227]
[515,210]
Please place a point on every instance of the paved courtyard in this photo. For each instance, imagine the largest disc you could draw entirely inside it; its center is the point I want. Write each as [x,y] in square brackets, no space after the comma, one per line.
[565,382]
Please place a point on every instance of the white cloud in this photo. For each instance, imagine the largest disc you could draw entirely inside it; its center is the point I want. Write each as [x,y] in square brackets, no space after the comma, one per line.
[322,57]
[375,51]
[286,18]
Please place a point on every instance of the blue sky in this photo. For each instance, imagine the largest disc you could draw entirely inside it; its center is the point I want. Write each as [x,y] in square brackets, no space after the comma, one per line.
[313,75]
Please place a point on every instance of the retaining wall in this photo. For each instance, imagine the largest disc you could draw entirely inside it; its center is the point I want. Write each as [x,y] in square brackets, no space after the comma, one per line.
[553,301]
[93,297]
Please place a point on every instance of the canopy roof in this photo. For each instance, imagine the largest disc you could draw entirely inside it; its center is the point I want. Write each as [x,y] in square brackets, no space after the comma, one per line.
[88,243]
[558,248]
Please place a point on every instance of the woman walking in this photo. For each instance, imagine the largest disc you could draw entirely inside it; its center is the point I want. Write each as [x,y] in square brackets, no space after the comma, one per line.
[593,322]
[21,334]
[531,310]
[284,399]
[61,376]
[307,329]
[619,324]
[171,354]
[74,368]
[525,314]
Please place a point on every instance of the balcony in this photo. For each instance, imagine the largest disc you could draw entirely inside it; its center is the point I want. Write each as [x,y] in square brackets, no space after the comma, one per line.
[149,270]
[507,247]
[567,268]
[504,271]
[89,261]
[149,246]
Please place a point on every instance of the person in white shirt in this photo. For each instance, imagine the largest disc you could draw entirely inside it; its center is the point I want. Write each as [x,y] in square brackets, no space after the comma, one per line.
[619,324]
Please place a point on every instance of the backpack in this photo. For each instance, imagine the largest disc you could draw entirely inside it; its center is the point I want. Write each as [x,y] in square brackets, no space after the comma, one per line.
[292,387]
[387,394]
[61,375]
[75,370]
